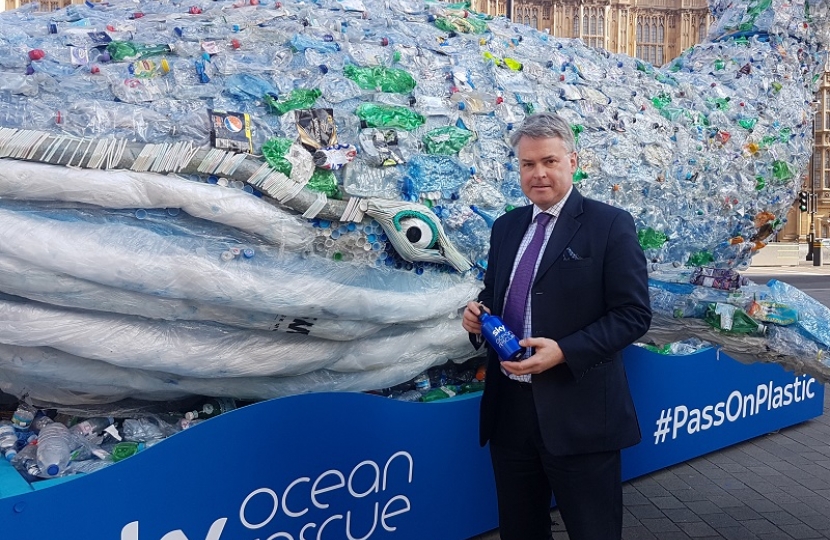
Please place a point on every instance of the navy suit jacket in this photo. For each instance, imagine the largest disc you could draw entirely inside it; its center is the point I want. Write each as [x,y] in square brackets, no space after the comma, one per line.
[590,294]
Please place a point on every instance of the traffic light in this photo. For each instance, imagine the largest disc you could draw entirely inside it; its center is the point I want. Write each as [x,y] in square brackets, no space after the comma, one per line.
[803,200]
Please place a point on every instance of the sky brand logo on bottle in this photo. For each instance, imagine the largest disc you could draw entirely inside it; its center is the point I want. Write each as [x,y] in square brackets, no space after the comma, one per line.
[499,336]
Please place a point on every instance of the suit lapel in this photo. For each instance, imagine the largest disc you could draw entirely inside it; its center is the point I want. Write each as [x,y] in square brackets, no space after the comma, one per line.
[514,233]
[564,230]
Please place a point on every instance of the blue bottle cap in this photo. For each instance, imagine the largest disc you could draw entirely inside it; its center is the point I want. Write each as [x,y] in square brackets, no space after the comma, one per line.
[53,470]
[248,253]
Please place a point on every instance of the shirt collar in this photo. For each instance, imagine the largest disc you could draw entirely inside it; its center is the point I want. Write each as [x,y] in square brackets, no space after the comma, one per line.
[555,209]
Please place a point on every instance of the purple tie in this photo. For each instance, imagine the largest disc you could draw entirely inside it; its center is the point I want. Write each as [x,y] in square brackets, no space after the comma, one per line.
[516,301]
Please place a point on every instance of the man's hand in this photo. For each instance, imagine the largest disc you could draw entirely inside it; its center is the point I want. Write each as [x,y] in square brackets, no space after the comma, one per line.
[546,354]
[470,322]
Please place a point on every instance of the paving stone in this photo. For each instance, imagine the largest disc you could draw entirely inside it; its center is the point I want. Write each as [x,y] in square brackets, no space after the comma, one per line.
[680,515]
[634,498]
[737,533]
[726,501]
[780,535]
[742,513]
[780,517]
[720,520]
[759,526]
[650,488]
[763,505]
[697,529]
[637,533]
[799,531]
[674,535]
[702,508]
[659,525]
[689,495]
[667,502]
[816,521]
[645,511]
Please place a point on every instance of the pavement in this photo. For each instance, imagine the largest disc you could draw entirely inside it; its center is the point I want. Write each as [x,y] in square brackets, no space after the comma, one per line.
[773,487]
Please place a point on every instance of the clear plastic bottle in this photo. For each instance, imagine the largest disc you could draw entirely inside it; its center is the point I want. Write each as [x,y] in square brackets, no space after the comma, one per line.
[8,440]
[91,426]
[54,449]
[23,416]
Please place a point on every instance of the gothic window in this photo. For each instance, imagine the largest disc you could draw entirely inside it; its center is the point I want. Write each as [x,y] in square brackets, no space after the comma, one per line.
[651,39]
[534,21]
[546,11]
[593,27]
[575,27]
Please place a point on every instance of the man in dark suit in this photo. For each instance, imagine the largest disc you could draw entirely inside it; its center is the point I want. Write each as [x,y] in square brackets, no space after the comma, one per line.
[557,419]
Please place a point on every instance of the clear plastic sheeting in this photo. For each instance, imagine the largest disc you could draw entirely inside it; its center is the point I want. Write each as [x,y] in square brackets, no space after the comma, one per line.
[251,199]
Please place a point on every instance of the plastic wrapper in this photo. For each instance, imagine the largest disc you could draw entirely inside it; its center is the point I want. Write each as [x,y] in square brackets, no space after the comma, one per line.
[137,260]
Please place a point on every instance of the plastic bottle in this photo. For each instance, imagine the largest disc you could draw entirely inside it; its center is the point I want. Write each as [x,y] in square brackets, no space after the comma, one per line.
[299,98]
[377,115]
[422,382]
[91,426]
[26,462]
[442,392]
[8,440]
[382,78]
[23,416]
[210,408]
[128,50]
[501,338]
[54,449]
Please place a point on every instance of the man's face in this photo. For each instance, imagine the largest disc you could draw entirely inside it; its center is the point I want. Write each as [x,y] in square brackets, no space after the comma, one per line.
[546,170]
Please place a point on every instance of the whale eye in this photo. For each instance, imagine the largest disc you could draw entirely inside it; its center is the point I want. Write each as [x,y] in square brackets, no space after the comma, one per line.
[419,230]
[416,233]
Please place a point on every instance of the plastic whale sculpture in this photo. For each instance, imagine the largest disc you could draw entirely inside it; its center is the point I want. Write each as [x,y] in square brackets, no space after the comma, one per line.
[250,200]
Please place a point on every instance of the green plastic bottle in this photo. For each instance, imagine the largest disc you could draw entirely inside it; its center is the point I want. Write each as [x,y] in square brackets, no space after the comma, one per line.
[393,116]
[446,141]
[386,79]
[442,392]
[127,50]
[275,151]
[299,98]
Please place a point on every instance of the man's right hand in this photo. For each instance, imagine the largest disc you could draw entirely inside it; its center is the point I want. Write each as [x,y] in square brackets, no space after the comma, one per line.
[470,320]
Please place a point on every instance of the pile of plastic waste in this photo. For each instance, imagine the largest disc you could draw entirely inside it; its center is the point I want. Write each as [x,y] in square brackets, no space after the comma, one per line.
[43,443]
[246,199]
[49,443]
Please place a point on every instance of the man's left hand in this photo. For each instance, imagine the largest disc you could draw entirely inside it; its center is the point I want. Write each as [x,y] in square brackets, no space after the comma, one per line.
[546,354]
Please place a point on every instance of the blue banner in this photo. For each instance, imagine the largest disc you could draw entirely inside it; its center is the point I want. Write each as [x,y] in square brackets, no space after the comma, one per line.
[362,467]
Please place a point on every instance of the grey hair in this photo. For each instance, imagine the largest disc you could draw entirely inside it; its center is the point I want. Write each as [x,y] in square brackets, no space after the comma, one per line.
[545,125]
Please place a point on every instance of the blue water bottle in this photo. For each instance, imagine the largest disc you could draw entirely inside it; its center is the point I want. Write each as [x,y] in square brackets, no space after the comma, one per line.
[499,336]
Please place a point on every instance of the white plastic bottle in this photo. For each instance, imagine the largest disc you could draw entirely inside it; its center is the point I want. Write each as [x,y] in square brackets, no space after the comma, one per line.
[54,449]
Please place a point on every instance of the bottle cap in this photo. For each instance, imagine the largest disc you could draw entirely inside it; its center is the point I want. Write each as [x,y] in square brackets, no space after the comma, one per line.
[53,470]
